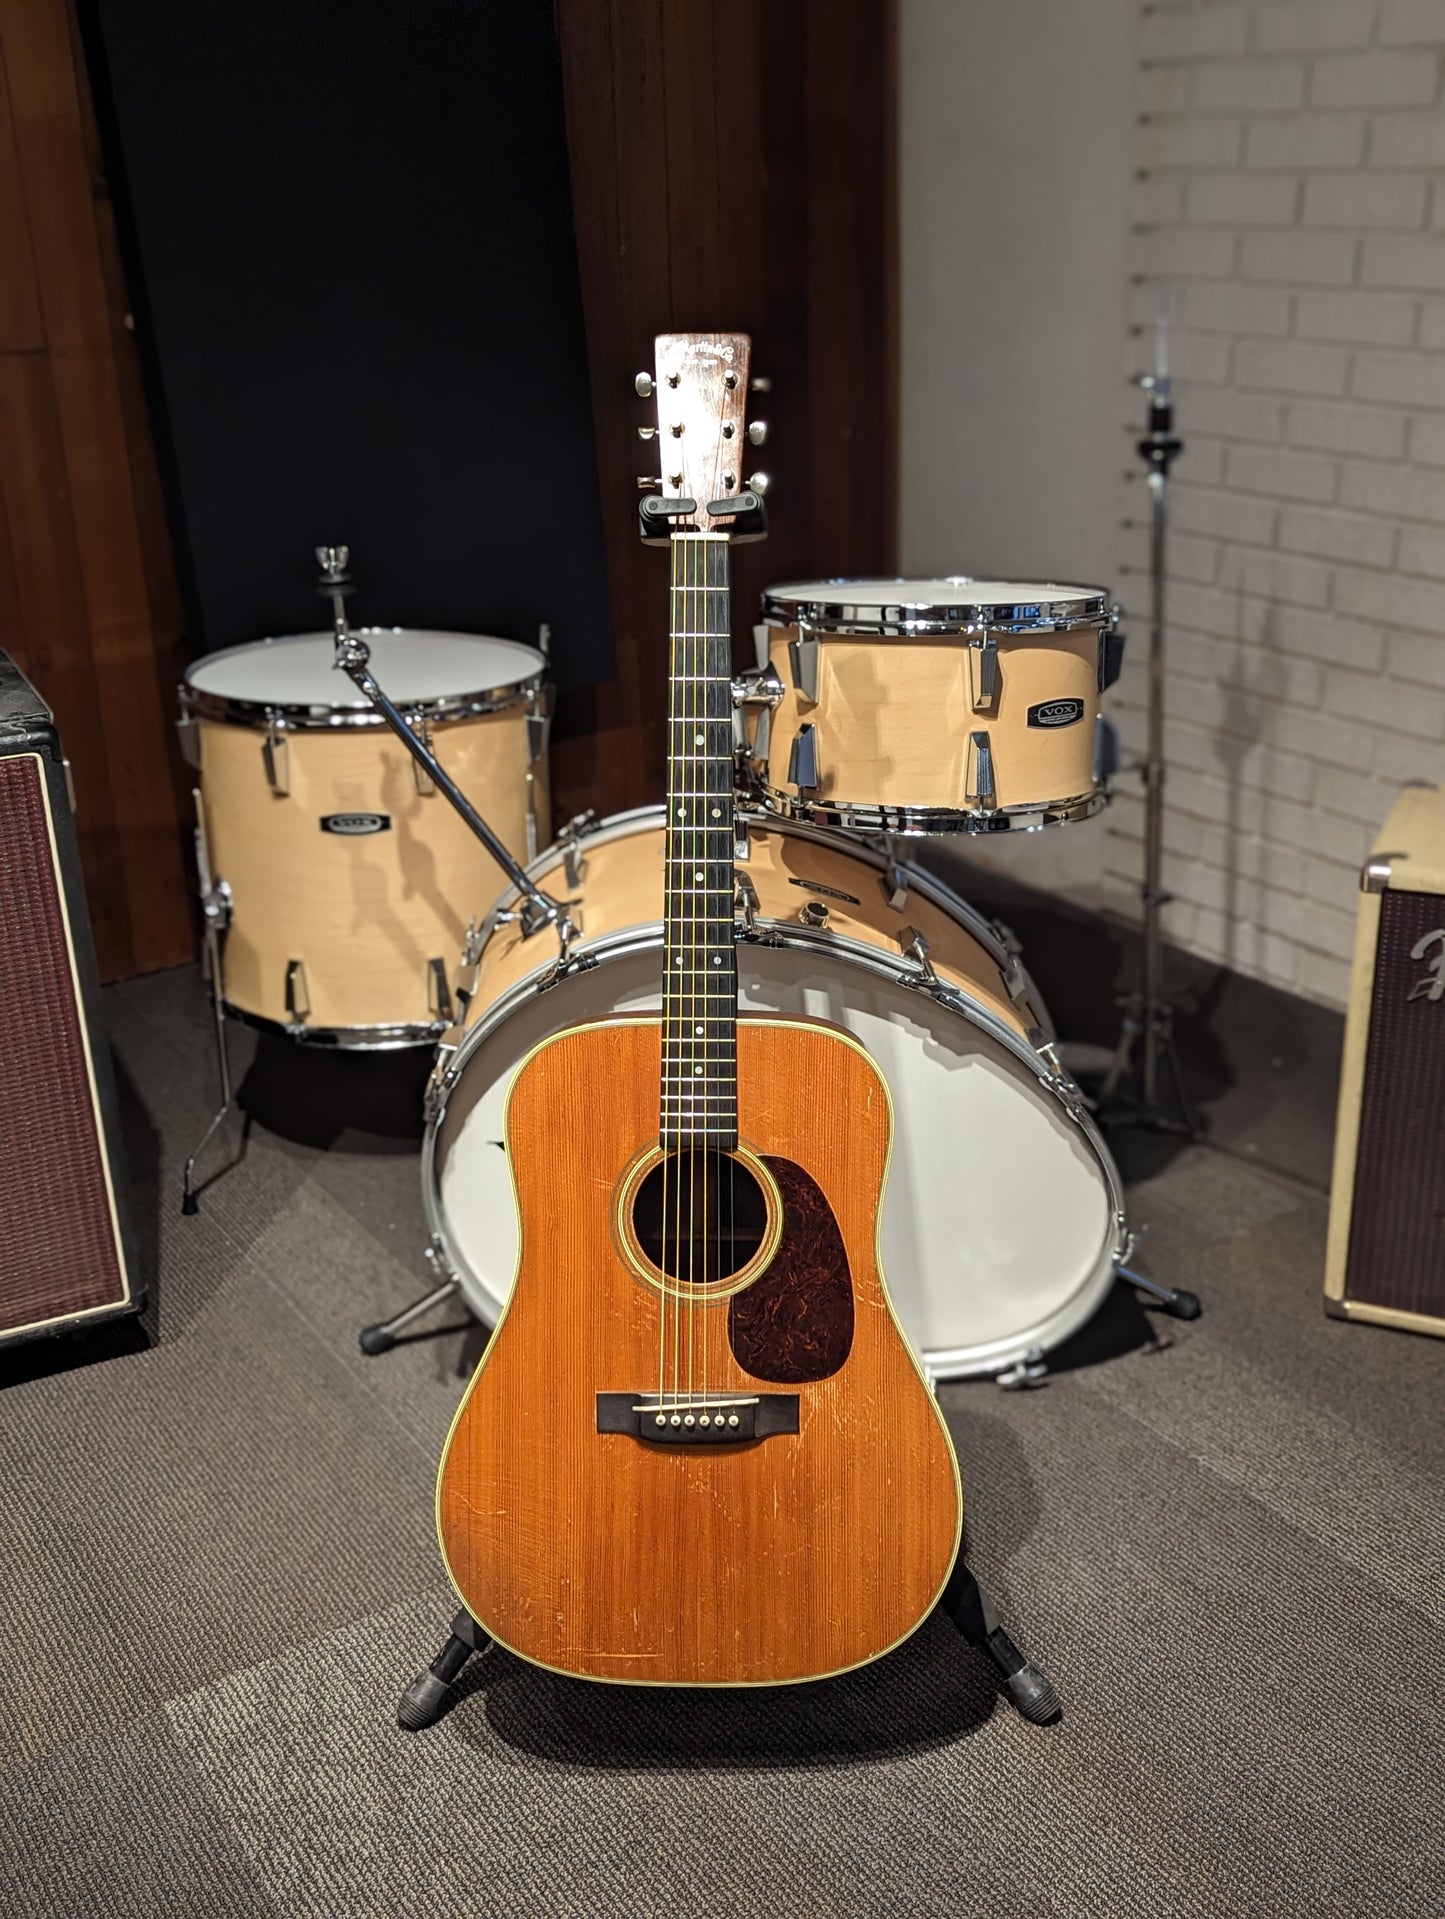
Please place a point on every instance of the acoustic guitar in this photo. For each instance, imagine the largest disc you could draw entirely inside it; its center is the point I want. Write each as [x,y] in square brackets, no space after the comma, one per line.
[698,1450]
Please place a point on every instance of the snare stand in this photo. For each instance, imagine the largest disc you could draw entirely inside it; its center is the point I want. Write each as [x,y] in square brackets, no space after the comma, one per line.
[1148,1024]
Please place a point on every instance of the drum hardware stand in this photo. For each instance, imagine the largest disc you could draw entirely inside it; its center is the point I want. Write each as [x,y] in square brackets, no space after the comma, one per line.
[1146,1037]
[973,1613]
[353,656]
[381,1337]
[216,917]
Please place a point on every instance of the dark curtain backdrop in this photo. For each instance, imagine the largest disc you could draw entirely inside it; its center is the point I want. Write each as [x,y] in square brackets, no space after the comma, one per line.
[354,267]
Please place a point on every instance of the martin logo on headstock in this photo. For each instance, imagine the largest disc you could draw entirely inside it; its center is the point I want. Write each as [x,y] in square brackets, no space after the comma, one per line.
[701,385]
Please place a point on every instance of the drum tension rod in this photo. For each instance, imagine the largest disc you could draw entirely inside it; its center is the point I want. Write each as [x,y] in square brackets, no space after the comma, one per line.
[353,657]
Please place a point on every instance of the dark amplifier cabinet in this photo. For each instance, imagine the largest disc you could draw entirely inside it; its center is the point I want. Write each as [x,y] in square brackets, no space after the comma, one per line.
[1386,1254]
[66,1259]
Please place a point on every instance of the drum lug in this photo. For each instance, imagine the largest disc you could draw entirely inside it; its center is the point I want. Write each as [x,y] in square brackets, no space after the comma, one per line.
[439,1079]
[574,861]
[742,845]
[469,967]
[760,687]
[298,999]
[539,718]
[438,998]
[763,642]
[984,790]
[1028,1370]
[745,899]
[188,734]
[894,882]
[803,663]
[803,759]
[984,681]
[435,1256]
[915,947]
[425,784]
[275,752]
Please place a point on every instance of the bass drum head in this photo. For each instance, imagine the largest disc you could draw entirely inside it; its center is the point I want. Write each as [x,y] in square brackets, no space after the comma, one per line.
[999,1233]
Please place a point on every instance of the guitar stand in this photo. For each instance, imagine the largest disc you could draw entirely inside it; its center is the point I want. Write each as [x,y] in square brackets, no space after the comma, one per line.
[433,1692]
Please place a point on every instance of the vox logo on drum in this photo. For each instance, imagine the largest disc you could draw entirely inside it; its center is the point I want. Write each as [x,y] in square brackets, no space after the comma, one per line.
[1056,713]
[354,825]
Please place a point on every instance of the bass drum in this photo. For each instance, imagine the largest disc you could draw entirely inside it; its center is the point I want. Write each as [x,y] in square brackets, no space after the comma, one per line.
[1002,1220]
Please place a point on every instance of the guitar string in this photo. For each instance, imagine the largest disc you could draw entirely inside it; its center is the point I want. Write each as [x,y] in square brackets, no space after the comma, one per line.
[669,940]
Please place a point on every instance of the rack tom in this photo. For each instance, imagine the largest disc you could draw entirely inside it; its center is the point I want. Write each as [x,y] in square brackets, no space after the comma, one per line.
[343,878]
[929,706]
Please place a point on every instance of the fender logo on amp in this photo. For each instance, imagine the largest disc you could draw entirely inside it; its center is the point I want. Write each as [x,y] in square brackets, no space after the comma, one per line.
[354,825]
[1056,713]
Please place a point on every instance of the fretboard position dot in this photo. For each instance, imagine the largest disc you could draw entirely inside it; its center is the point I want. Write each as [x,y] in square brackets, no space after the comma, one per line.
[697,739]
[697,1069]
[700,1030]
[717,959]
[717,812]
[698,876]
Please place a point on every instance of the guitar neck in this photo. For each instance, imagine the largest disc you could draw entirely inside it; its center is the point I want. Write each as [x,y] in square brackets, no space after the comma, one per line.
[700,993]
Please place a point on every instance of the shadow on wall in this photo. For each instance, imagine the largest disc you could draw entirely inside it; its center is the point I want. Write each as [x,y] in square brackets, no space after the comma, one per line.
[1241,730]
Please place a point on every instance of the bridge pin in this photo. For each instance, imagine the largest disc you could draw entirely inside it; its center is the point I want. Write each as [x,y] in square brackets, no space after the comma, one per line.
[661,1419]
[689,1420]
[677,1419]
[704,1421]
[732,1419]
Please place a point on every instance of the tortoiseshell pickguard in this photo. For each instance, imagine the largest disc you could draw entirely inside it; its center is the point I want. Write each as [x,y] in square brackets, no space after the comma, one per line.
[795,1322]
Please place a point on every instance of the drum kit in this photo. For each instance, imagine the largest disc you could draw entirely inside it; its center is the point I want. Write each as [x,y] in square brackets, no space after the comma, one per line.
[370,817]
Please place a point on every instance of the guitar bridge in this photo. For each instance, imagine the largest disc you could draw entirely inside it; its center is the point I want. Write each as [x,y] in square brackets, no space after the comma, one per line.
[699,1419]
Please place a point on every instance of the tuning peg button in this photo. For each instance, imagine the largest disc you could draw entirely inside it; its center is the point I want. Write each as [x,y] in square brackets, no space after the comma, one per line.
[647,433]
[759,482]
[643,385]
[758,432]
[762,384]
[646,481]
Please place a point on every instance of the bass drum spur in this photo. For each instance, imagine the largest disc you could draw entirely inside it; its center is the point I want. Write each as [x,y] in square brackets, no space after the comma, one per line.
[1003,1220]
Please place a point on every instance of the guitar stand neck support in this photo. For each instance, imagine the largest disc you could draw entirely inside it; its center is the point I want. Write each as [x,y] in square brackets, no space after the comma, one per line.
[353,657]
[656,512]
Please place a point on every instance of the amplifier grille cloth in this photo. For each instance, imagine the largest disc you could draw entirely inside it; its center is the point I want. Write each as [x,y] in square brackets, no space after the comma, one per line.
[57,1241]
[1397,1222]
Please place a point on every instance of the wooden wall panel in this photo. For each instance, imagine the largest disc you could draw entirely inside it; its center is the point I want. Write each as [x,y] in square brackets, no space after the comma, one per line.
[86,555]
[731,168]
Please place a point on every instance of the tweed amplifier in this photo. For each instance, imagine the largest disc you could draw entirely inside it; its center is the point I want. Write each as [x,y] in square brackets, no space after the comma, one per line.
[1386,1252]
[65,1251]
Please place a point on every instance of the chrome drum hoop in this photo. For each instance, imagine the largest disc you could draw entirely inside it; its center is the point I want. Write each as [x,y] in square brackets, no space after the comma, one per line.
[1077,609]
[342,1039]
[440,711]
[929,822]
[938,1364]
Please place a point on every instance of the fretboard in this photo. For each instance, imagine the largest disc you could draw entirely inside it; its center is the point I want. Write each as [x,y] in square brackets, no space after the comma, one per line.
[699,1033]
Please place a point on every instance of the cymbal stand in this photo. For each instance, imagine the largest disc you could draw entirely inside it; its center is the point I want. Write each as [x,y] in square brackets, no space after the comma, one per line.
[1146,1038]
[353,656]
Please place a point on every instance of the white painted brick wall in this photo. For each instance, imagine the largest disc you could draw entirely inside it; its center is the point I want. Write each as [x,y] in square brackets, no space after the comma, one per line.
[1290,157]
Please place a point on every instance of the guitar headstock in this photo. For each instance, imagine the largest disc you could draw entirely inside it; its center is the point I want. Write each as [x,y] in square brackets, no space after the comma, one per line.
[701,388]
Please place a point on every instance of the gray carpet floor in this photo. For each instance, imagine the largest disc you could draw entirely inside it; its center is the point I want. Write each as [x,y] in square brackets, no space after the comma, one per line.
[1225,1544]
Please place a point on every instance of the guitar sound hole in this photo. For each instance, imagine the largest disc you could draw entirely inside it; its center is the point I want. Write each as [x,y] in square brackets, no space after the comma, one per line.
[700,1215]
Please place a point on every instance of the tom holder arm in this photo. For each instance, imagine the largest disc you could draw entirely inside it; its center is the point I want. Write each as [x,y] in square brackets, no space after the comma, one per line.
[353,657]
